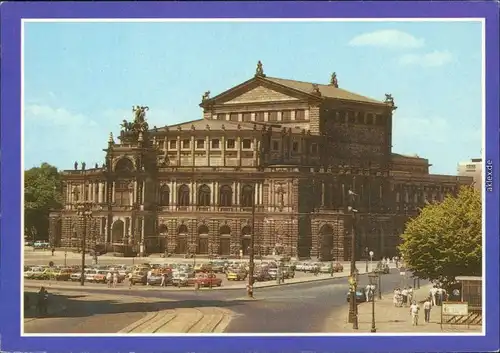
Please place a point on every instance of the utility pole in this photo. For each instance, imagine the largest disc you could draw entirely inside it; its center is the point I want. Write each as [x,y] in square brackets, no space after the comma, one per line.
[353,308]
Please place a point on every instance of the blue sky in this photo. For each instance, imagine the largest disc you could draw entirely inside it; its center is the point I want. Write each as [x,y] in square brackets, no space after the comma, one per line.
[81,79]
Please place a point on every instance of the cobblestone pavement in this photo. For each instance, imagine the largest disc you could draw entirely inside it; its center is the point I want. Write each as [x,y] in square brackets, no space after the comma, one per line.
[390,319]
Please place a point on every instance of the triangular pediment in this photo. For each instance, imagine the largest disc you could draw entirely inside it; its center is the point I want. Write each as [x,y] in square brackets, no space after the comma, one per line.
[260,94]
[257,90]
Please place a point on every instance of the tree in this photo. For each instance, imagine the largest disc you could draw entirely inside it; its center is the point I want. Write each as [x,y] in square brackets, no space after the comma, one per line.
[42,192]
[445,240]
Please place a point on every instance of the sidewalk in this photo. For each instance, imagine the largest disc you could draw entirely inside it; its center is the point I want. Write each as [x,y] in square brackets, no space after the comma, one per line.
[390,319]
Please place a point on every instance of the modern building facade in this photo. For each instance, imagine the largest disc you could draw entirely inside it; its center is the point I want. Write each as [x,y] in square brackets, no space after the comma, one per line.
[272,157]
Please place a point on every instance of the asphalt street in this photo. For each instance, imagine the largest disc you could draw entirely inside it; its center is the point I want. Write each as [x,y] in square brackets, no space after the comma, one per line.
[293,308]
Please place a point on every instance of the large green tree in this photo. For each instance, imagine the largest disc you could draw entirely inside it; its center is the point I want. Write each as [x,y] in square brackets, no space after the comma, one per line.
[42,192]
[445,240]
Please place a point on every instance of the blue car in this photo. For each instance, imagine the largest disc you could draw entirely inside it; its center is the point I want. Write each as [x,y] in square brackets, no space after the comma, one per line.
[360,295]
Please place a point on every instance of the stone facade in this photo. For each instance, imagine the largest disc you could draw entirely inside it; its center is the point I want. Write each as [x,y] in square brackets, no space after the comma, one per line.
[272,157]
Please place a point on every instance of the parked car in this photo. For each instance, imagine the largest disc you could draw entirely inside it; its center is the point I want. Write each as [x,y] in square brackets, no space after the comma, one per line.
[139,277]
[261,275]
[360,295]
[181,279]
[326,268]
[288,271]
[236,274]
[201,267]
[32,272]
[218,266]
[382,269]
[208,280]
[61,275]
[100,276]
[157,277]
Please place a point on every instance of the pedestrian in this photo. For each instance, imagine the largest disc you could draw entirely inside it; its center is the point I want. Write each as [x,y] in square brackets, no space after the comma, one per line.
[439,295]
[148,276]
[42,302]
[427,309]
[432,293]
[414,308]
[109,279]
[410,294]
[115,279]
[395,297]
[369,294]
[130,283]
[404,293]
[53,251]
[163,280]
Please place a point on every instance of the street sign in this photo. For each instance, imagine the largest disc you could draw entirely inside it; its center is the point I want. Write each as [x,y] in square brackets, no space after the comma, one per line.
[371,253]
[455,308]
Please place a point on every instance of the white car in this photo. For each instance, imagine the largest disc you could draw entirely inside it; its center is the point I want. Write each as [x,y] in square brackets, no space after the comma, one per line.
[89,276]
[33,271]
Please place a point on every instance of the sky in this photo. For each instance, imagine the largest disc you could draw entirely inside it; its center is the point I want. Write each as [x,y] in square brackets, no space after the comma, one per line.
[82,79]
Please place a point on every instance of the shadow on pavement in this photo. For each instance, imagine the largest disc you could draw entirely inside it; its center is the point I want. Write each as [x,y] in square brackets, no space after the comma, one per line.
[86,305]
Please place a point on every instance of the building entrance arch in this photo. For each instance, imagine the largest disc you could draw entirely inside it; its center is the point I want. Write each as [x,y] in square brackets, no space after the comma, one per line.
[326,247]
[118,231]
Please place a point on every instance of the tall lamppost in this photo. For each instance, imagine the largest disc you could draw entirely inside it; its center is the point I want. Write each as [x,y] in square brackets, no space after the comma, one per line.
[373,281]
[353,309]
[252,247]
[84,209]
[366,259]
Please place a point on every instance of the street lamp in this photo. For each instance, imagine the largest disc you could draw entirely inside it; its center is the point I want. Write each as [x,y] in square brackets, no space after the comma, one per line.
[353,308]
[252,247]
[366,260]
[84,209]
[373,280]
[371,260]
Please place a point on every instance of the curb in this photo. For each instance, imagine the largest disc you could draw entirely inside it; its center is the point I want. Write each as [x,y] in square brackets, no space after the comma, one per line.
[191,289]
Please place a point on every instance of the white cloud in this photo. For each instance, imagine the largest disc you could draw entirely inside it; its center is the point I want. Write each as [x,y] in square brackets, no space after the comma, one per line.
[432,59]
[40,113]
[387,38]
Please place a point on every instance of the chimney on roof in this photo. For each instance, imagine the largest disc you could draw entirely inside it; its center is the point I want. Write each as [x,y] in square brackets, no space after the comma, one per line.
[333,80]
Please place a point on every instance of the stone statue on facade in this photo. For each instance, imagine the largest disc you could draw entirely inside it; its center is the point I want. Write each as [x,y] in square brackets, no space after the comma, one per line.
[260,70]
[205,96]
[390,101]
[126,126]
[315,90]
[140,113]
[83,165]
[96,166]
[76,165]
[333,80]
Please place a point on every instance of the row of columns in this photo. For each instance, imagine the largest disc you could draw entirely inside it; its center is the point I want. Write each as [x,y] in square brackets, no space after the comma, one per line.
[95,192]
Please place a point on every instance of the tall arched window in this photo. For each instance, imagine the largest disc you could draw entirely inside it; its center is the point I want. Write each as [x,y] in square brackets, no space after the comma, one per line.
[183,195]
[124,165]
[204,195]
[122,192]
[247,196]
[164,195]
[225,196]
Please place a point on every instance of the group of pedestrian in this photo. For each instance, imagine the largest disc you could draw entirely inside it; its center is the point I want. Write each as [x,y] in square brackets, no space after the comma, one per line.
[370,292]
[403,297]
[437,295]
[112,279]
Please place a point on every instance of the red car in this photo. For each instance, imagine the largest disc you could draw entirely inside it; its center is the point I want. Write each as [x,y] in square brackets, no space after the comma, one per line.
[208,279]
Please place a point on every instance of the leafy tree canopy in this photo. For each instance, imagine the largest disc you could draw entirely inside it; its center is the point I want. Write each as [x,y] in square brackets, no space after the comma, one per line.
[42,192]
[445,240]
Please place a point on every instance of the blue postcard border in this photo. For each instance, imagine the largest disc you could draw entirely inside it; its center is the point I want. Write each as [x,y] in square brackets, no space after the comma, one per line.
[11,15]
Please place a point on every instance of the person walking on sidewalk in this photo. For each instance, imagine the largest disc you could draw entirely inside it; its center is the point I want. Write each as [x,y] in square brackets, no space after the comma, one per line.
[414,309]
[115,279]
[404,293]
[109,279]
[432,293]
[129,277]
[427,310]
[410,294]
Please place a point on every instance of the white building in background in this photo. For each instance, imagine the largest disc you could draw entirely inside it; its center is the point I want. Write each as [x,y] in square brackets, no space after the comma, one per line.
[474,169]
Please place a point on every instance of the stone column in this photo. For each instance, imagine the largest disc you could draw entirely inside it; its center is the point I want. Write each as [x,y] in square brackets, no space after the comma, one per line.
[99,192]
[323,193]
[256,194]
[235,191]
[261,194]
[171,195]
[213,200]
[131,196]
[193,151]
[174,192]
[238,188]
[113,192]
[223,151]
[238,150]
[178,150]
[135,191]
[207,150]
[192,199]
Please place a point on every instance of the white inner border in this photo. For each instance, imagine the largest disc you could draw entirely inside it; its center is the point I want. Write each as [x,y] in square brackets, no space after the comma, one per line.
[387,20]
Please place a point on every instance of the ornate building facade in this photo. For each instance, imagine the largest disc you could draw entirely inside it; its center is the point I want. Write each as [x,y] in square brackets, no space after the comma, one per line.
[271,157]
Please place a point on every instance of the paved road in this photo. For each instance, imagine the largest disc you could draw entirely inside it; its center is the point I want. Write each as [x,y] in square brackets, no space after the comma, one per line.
[292,308]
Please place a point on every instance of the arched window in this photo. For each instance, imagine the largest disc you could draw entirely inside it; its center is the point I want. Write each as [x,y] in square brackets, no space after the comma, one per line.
[124,165]
[183,195]
[247,196]
[204,195]
[183,230]
[246,231]
[162,229]
[164,195]
[226,196]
